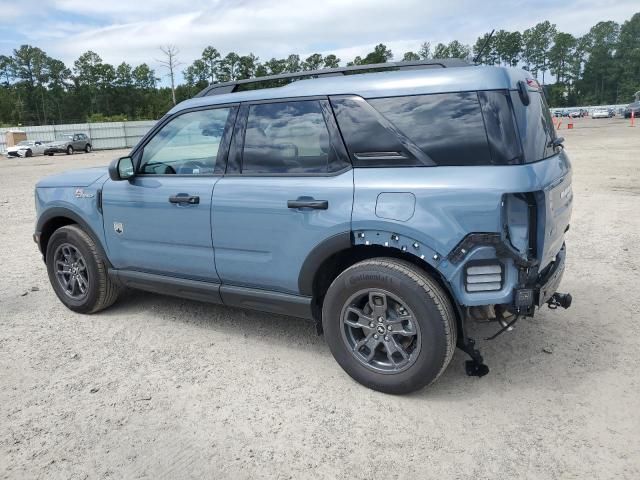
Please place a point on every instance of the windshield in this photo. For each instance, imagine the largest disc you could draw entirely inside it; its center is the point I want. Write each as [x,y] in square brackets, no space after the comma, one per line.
[24,143]
[64,137]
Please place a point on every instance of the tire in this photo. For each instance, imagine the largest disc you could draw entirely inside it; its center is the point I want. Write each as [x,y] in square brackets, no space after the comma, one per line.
[28,153]
[100,291]
[69,150]
[432,323]
[87,148]
[50,154]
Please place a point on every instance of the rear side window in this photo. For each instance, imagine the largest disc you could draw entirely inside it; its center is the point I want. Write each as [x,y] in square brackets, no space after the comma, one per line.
[448,127]
[287,137]
[535,126]
[371,140]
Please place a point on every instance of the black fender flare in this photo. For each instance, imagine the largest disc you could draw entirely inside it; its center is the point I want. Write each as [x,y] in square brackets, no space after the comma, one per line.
[329,246]
[61,212]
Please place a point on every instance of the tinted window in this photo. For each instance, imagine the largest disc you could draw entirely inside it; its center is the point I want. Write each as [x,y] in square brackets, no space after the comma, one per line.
[534,125]
[373,141]
[447,127]
[187,145]
[501,129]
[288,137]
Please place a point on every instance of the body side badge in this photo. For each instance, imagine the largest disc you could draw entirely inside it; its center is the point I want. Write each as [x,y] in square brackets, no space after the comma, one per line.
[118,227]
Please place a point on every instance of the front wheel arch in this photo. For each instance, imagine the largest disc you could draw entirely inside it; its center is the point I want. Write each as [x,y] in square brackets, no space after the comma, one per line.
[58,217]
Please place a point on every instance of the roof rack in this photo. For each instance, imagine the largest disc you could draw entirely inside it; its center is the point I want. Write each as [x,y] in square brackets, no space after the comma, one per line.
[231,87]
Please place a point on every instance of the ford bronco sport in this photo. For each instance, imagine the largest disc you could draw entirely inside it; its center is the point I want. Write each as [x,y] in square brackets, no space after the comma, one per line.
[390,207]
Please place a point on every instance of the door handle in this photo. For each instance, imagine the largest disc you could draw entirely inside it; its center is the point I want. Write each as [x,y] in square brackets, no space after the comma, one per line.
[181,198]
[315,204]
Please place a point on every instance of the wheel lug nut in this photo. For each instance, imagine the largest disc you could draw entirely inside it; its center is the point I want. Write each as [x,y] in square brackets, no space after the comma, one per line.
[389,327]
[386,338]
[375,336]
[371,324]
[380,319]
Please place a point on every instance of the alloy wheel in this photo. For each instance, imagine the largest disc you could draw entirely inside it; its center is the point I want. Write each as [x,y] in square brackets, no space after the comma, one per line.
[71,271]
[380,331]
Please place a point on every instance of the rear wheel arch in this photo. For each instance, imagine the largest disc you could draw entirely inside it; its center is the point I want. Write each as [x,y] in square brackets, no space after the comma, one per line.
[338,261]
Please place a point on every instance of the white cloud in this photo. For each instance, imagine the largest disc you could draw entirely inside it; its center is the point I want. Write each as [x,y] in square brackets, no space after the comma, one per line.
[126,30]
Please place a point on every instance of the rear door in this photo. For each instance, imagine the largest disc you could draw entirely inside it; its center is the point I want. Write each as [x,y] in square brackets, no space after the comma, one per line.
[160,220]
[288,188]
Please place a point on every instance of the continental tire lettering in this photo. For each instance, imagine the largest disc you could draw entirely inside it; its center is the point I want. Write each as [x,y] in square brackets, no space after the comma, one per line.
[367,277]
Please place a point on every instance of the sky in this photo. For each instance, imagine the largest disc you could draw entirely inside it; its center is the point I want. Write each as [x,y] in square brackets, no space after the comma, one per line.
[133,30]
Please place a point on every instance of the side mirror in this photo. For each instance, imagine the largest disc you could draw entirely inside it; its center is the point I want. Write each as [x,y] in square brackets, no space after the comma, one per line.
[121,169]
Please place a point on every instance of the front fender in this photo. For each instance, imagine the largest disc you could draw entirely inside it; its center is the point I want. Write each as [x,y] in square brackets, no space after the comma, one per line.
[79,205]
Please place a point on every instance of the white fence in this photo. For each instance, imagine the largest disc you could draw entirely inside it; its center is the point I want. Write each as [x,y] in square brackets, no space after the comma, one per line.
[104,136]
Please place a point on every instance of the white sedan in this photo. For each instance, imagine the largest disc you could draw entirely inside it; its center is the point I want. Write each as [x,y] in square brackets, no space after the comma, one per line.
[600,113]
[27,148]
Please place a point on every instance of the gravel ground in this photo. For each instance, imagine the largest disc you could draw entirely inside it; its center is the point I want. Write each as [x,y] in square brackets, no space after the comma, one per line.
[158,387]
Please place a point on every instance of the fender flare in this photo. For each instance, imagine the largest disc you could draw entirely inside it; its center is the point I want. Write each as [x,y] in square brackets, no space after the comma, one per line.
[315,258]
[345,240]
[61,212]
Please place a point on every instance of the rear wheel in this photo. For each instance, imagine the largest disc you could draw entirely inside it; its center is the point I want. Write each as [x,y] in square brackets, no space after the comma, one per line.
[389,325]
[87,148]
[69,150]
[77,271]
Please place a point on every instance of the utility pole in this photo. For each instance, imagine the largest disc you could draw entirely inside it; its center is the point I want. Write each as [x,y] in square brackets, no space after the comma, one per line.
[171,63]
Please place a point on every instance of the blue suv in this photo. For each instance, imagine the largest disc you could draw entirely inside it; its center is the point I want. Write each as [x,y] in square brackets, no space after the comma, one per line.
[391,207]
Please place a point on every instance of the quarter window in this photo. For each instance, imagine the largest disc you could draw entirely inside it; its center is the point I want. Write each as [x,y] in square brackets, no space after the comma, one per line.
[187,145]
[447,127]
[287,137]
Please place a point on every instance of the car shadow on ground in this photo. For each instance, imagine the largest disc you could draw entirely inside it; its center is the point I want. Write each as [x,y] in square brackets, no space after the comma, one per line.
[536,355]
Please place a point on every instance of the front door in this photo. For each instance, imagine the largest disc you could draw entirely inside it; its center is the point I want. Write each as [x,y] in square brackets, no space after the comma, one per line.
[160,220]
[291,189]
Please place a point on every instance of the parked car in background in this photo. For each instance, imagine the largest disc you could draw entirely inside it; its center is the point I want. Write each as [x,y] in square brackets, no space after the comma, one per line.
[632,107]
[600,113]
[27,148]
[69,143]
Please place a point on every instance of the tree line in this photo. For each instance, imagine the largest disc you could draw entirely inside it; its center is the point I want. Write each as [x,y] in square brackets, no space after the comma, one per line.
[600,67]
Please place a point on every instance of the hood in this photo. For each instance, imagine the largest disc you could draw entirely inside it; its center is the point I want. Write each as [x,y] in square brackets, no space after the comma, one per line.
[15,148]
[58,143]
[74,178]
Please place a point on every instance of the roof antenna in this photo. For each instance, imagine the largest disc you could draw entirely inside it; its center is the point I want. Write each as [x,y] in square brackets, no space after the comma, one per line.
[481,51]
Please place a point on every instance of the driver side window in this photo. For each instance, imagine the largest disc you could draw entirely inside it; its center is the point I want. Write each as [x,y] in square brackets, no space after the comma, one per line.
[187,145]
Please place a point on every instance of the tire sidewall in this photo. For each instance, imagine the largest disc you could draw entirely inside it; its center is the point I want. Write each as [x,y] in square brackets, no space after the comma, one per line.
[69,150]
[87,149]
[433,330]
[69,235]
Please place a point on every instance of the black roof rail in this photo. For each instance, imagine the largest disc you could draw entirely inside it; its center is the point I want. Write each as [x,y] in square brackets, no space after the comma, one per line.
[231,87]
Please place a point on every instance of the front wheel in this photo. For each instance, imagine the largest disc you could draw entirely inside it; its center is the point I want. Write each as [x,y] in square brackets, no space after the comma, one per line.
[28,153]
[389,325]
[77,271]
[87,148]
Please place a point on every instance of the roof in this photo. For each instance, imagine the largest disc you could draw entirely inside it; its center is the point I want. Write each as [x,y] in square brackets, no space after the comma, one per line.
[379,84]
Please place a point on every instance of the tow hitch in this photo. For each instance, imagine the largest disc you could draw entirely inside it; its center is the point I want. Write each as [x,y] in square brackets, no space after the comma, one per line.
[559,300]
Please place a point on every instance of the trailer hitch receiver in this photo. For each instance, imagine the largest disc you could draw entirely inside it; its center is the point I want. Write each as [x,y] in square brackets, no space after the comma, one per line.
[559,300]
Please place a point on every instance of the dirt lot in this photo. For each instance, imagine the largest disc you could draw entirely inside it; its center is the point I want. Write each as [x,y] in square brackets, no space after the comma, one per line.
[159,387]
